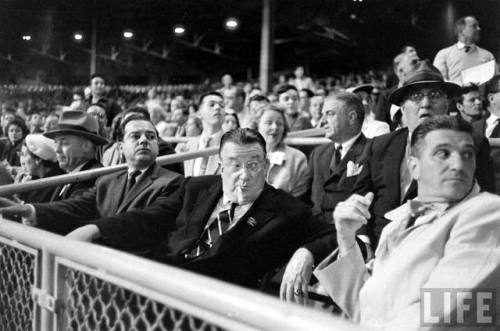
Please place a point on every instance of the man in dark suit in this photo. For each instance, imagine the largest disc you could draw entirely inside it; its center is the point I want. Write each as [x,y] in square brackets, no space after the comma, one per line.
[333,168]
[234,227]
[385,172]
[76,141]
[490,127]
[134,188]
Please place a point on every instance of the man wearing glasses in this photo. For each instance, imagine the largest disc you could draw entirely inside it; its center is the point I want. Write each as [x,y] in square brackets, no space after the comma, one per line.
[385,173]
[234,227]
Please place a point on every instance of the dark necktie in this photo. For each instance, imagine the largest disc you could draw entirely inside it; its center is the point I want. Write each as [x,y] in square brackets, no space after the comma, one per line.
[467,48]
[213,232]
[337,156]
[496,130]
[132,179]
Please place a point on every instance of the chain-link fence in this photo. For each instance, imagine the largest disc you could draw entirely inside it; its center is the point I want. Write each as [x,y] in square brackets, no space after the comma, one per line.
[91,303]
[18,266]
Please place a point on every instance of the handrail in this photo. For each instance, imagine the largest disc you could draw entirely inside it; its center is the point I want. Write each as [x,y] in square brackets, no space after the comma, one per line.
[223,301]
[94,173]
[494,142]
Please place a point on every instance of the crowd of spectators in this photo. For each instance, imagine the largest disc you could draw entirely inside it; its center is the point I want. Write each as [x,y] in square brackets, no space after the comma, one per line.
[261,213]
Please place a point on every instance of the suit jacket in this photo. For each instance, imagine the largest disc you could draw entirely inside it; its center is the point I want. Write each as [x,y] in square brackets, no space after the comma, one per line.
[381,175]
[108,198]
[479,127]
[43,194]
[78,188]
[455,249]
[331,187]
[213,166]
[264,238]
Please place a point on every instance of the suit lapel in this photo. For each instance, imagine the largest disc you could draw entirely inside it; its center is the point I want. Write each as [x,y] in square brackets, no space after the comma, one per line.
[254,219]
[392,164]
[206,202]
[145,180]
[353,154]
[118,187]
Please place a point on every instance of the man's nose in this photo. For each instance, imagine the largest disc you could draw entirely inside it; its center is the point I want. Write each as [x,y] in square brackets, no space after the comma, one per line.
[456,161]
[426,101]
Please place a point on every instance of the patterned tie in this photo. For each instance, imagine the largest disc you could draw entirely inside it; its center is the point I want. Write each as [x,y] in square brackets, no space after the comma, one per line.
[337,156]
[213,232]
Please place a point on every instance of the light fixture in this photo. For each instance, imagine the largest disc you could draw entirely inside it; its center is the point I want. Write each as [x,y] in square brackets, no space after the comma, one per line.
[78,36]
[127,34]
[231,23]
[179,30]
[26,37]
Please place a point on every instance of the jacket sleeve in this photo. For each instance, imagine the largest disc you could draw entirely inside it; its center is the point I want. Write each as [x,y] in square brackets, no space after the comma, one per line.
[66,215]
[145,228]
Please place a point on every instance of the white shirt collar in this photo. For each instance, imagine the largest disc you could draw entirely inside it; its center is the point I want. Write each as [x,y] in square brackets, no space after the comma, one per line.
[491,119]
[346,145]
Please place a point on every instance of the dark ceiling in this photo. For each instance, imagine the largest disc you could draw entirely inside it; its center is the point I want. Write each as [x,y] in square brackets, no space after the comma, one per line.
[326,36]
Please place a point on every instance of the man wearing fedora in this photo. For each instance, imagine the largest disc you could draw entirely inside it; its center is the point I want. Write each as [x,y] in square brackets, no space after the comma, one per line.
[385,173]
[136,187]
[76,141]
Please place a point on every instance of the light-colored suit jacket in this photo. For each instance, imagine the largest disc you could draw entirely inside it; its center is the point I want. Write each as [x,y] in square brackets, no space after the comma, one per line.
[456,248]
[213,166]
[288,170]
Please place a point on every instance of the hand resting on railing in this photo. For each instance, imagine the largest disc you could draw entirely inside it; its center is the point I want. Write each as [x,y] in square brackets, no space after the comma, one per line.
[12,210]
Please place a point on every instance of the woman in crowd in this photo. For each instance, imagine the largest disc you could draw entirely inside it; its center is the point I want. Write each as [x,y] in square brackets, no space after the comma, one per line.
[16,131]
[288,166]
[38,160]
[231,122]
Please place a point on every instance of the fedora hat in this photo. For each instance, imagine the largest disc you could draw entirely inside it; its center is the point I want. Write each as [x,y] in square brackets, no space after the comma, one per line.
[425,75]
[77,123]
[368,88]
[41,146]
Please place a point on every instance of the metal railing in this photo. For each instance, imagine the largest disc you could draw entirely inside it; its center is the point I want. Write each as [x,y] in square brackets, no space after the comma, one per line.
[49,282]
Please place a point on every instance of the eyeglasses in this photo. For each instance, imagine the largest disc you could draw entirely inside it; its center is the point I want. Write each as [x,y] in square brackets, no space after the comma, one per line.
[251,166]
[433,96]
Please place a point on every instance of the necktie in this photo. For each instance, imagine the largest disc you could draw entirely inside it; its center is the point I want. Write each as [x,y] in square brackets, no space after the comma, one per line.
[467,48]
[132,179]
[337,156]
[496,130]
[204,160]
[213,232]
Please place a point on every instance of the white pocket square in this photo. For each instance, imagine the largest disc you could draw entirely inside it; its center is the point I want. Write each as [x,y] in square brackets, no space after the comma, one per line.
[353,169]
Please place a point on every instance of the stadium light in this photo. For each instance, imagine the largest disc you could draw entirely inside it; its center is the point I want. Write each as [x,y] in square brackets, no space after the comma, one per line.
[26,37]
[127,34]
[78,36]
[231,24]
[179,30]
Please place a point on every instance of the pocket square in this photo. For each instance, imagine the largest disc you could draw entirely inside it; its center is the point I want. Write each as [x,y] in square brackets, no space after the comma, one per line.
[353,169]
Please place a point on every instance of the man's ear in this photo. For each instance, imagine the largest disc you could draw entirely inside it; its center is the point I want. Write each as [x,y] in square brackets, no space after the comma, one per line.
[459,106]
[413,167]
[490,97]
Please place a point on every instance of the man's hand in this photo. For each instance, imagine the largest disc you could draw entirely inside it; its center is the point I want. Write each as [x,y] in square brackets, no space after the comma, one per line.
[10,209]
[349,216]
[85,233]
[296,277]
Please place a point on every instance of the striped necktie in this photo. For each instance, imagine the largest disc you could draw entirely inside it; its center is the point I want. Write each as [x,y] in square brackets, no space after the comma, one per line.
[216,228]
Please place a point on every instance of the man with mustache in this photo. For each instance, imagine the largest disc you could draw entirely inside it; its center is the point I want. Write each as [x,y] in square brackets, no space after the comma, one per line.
[134,188]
